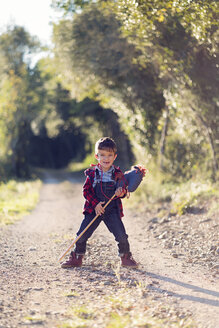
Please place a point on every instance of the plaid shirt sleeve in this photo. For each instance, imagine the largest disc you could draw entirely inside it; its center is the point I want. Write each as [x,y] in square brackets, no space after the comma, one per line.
[89,194]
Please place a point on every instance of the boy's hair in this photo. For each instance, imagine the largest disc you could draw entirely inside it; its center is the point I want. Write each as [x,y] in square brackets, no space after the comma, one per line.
[105,143]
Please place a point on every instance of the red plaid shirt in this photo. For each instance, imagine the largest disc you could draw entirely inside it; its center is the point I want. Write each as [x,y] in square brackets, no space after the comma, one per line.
[89,193]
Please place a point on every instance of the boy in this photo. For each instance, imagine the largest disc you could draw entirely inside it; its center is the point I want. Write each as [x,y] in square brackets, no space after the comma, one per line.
[99,187]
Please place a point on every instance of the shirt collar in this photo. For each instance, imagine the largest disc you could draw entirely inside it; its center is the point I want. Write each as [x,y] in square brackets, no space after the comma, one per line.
[112,169]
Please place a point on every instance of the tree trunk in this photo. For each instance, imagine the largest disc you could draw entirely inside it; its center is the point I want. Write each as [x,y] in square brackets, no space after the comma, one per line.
[211,142]
[163,138]
[21,165]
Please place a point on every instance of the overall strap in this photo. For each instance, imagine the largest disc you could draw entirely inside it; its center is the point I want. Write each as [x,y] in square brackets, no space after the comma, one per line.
[113,175]
[97,175]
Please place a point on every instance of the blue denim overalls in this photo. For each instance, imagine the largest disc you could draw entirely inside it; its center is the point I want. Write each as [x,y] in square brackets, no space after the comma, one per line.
[104,191]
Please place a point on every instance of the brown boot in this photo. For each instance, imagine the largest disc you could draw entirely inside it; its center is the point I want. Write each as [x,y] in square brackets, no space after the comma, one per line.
[128,261]
[74,260]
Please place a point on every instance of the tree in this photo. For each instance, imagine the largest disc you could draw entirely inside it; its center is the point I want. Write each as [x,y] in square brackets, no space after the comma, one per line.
[69,6]
[18,100]
[181,38]
[15,46]
[95,48]
[119,48]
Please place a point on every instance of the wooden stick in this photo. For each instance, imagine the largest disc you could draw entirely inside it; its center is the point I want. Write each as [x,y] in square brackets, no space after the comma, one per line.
[81,234]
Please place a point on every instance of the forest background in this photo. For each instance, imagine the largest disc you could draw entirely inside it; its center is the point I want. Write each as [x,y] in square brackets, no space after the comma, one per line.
[142,72]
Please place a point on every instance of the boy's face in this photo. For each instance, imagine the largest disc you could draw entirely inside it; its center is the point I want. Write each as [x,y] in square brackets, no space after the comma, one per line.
[105,158]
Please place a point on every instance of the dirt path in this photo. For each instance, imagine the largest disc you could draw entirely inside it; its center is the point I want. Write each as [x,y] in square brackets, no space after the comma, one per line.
[34,290]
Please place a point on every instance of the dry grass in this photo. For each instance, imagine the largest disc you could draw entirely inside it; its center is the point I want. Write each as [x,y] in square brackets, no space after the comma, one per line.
[17,199]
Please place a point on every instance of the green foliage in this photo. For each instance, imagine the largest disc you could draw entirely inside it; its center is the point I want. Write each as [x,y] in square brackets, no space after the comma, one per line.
[192,194]
[177,195]
[179,198]
[15,45]
[17,199]
[118,321]
[69,6]
[94,121]
[19,100]
[99,51]
[143,72]
[76,166]
[140,57]
[183,159]
[181,39]
[32,103]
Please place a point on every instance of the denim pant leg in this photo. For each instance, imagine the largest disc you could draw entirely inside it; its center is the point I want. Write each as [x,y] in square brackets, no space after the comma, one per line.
[80,247]
[116,226]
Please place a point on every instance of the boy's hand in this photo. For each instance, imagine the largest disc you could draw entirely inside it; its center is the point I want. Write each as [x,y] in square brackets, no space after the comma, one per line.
[99,208]
[120,192]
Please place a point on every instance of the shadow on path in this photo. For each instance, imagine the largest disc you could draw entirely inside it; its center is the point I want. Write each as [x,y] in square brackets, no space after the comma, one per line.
[159,290]
[186,286]
[183,284]
[185,297]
